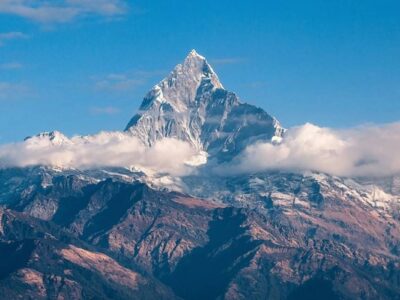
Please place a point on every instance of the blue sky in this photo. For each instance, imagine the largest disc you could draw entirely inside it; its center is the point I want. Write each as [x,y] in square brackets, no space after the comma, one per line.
[84,66]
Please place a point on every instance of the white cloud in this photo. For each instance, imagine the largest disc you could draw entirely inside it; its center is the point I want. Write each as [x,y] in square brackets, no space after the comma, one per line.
[14,35]
[363,151]
[62,11]
[104,149]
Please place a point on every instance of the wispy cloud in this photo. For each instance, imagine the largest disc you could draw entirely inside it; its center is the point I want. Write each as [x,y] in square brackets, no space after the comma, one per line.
[364,151]
[62,11]
[227,61]
[11,90]
[9,36]
[118,83]
[107,110]
[256,84]
[11,66]
[122,82]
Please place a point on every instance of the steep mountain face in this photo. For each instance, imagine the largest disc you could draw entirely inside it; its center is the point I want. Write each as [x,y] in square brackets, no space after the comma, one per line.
[192,105]
[115,233]
[309,236]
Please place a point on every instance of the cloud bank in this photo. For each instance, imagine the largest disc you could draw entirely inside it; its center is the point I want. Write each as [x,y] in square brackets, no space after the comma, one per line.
[363,151]
[106,149]
[371,151]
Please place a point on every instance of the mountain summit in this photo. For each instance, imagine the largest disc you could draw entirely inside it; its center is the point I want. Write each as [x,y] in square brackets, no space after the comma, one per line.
[104,217]
[192,105]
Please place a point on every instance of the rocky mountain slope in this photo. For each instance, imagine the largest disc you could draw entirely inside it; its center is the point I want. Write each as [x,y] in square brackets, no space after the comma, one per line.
[120,233]
[41,261]
[291,244]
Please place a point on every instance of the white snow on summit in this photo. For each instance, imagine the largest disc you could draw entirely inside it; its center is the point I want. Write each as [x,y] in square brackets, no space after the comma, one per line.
[192,105]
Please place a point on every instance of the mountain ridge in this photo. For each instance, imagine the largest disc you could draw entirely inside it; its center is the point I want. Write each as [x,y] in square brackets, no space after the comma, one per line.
[267,235]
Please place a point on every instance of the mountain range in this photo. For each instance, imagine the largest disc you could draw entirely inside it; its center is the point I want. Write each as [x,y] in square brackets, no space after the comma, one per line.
[115,231]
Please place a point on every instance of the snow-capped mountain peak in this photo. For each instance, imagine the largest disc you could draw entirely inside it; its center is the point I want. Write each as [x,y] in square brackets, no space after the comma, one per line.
[196,68]
[53,137]
[191,104]
[179,88]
